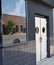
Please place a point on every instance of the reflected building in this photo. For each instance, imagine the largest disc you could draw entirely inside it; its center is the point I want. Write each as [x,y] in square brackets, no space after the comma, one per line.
[20,23]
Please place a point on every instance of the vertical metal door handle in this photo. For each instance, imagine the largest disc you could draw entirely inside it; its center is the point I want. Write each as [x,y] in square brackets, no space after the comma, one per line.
[40,39]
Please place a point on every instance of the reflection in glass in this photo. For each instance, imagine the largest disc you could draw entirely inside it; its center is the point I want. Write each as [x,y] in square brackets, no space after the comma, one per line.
[13,20]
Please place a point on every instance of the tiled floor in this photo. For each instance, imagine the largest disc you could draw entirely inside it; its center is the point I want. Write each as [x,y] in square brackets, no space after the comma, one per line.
[47,61]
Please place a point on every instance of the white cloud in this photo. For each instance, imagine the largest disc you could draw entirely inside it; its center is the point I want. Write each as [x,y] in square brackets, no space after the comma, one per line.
[19,9]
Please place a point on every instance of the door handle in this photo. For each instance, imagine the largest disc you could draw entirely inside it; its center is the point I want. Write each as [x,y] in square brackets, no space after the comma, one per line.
[40,39]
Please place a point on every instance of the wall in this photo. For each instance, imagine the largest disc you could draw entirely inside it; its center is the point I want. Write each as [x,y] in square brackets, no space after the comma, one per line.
[1,57]
[33,9]
[9,39]
[53,22]
[38,8]
[50,2]
[21,54]
[52,40]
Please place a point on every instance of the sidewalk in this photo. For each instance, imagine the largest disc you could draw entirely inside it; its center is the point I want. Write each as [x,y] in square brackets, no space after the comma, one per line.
[47,61]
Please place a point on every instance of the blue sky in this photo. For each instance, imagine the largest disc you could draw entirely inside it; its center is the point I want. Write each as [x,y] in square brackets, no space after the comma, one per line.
[13,7]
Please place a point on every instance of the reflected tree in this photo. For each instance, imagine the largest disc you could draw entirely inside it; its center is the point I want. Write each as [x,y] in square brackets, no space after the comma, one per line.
[10,26]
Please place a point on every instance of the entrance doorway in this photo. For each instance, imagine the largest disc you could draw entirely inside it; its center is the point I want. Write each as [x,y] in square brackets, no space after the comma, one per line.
[41,38]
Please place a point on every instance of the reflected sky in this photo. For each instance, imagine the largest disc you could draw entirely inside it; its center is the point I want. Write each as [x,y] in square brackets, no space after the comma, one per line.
[13,7]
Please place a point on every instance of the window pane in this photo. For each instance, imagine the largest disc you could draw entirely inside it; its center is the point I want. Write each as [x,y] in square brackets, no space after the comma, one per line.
[43,29]
[13,20]
[37,29]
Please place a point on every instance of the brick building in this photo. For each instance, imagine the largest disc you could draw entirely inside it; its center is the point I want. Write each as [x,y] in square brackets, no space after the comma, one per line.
[20,22]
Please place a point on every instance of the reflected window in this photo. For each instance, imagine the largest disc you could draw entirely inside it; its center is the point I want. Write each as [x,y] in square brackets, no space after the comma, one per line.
[13,20]
[3,29]
[17,28]
[24,30]
[21,28]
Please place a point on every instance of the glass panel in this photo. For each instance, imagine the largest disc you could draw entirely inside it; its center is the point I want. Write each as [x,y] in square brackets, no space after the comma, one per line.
[37,30]
[13,16]
[43,29]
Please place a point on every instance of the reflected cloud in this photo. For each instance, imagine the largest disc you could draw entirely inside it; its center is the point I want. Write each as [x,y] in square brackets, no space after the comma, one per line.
[14,9]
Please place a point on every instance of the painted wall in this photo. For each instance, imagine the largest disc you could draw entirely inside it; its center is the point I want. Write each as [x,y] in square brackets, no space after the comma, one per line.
[37,8]
[50,2]
[20,54]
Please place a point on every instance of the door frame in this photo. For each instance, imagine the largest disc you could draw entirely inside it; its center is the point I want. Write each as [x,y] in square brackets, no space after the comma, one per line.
[48,33]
